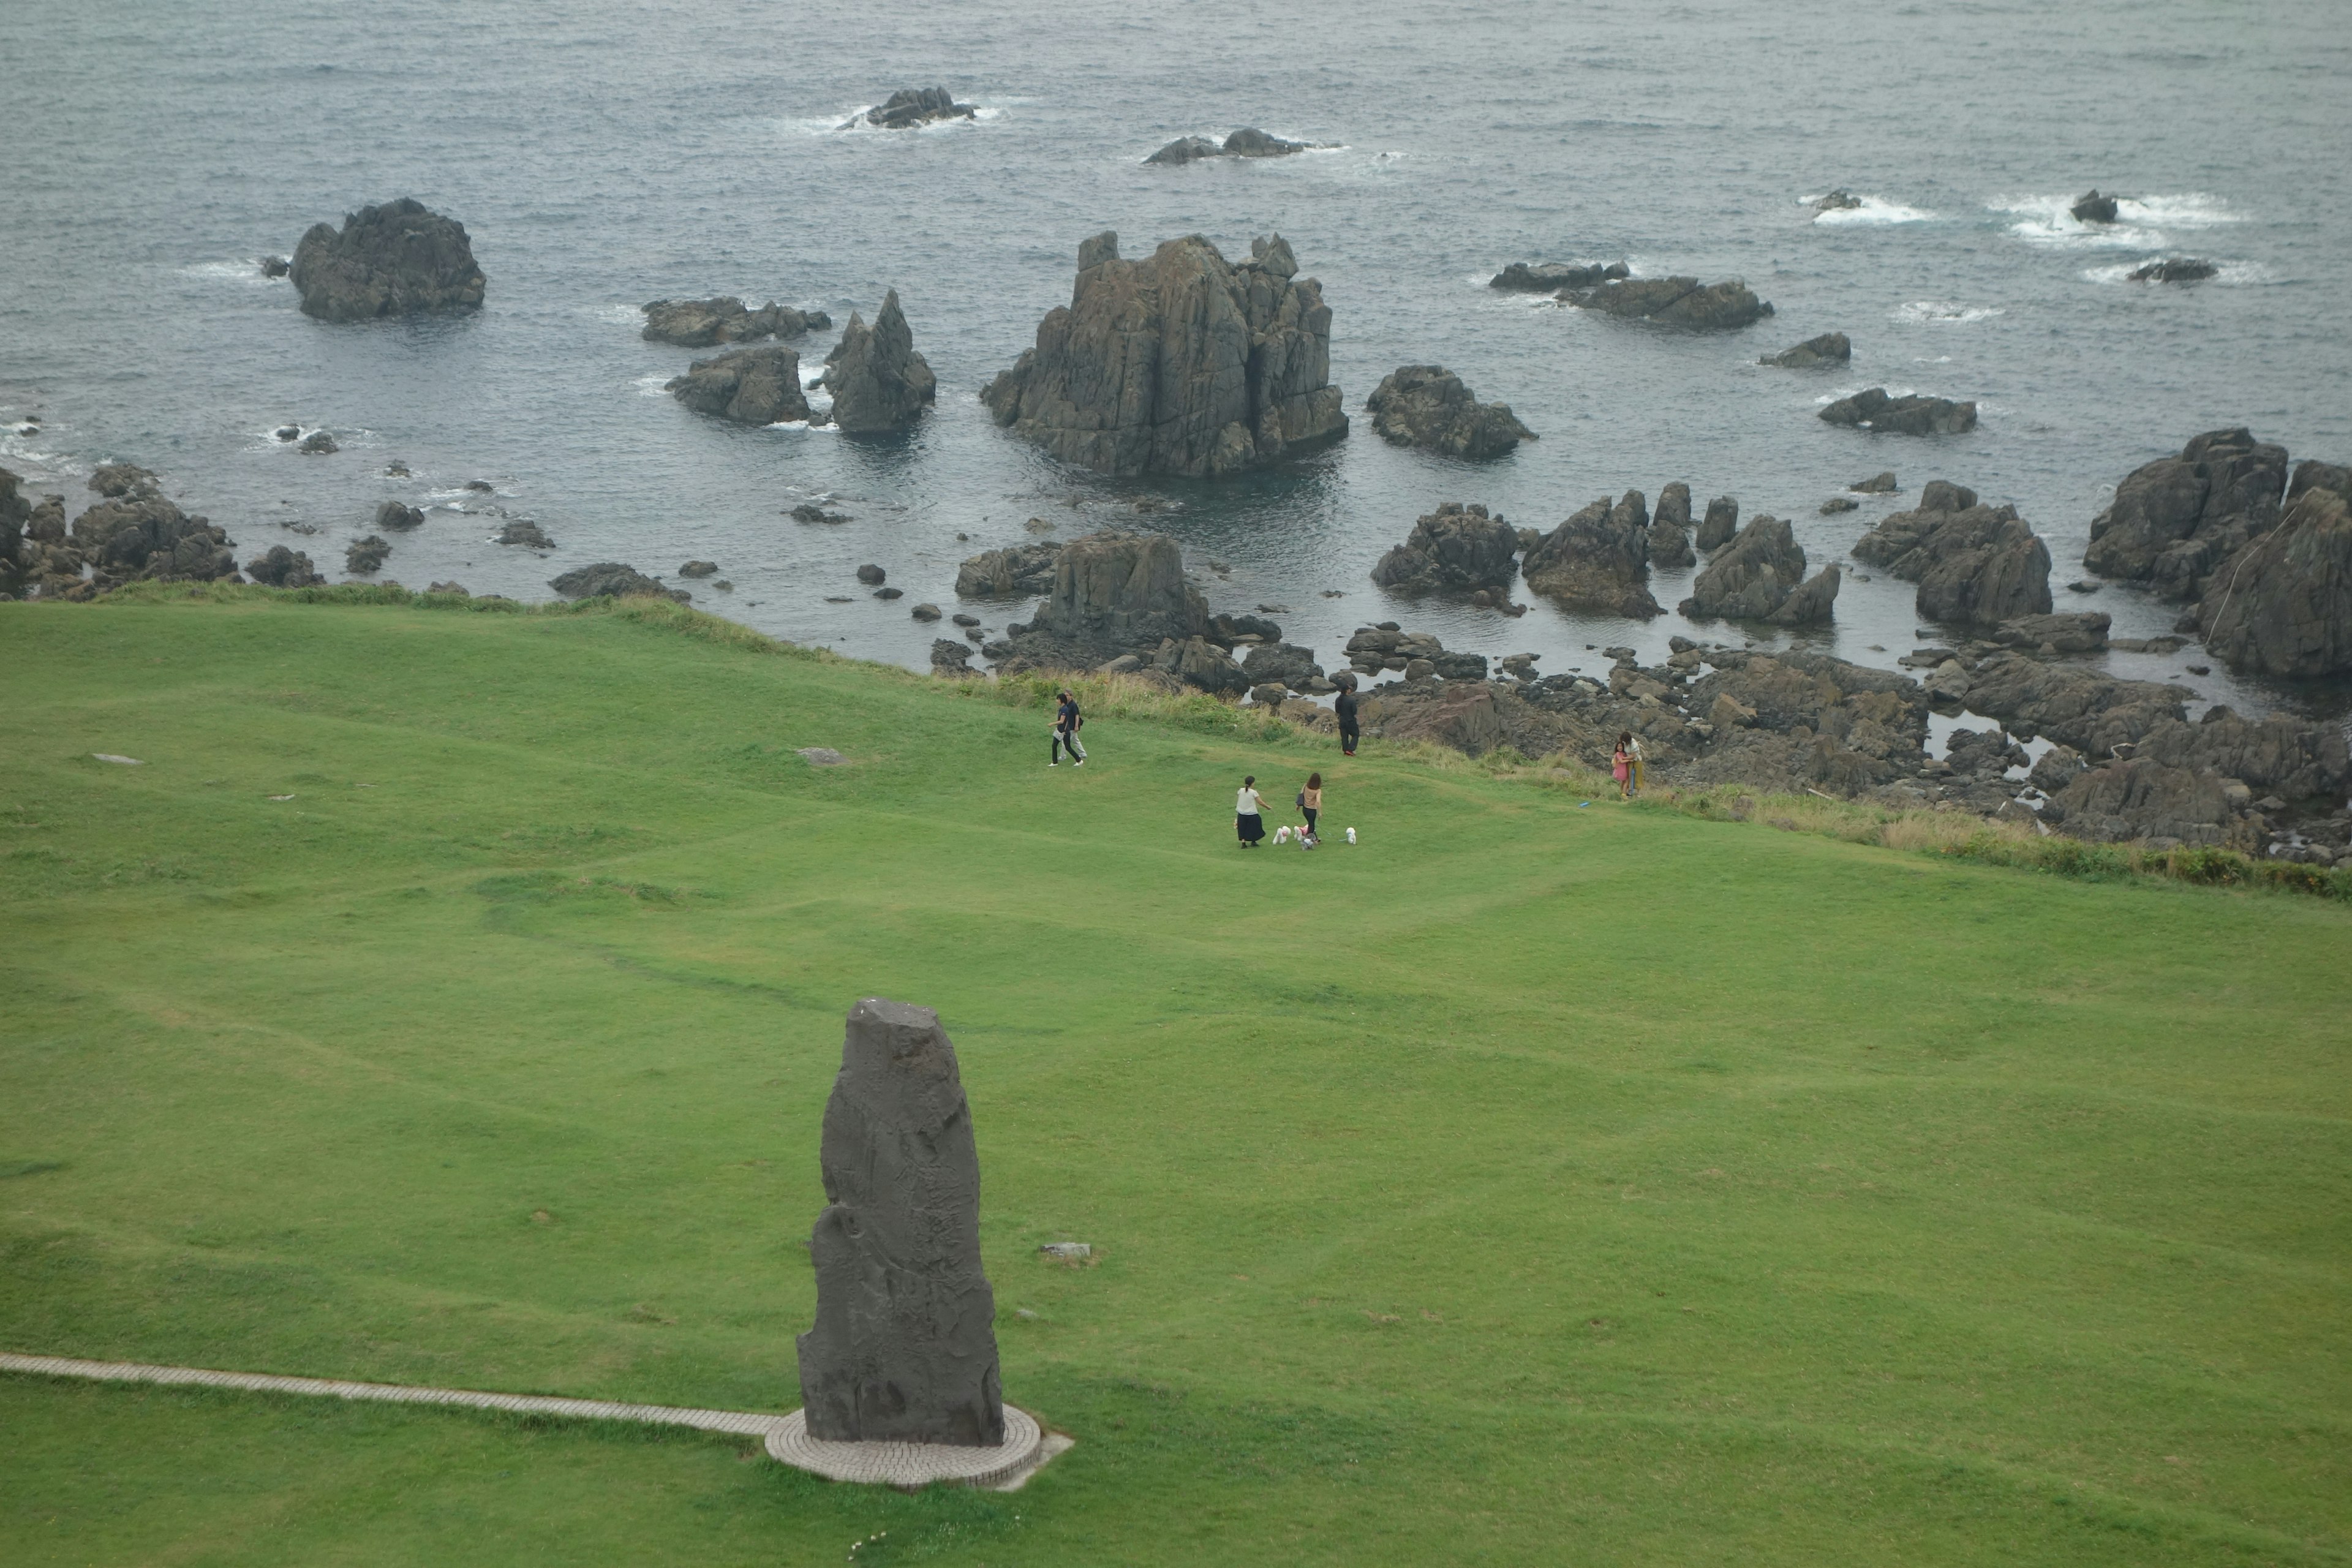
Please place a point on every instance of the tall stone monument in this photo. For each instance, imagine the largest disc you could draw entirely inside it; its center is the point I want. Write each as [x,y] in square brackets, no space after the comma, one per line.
[904,1349]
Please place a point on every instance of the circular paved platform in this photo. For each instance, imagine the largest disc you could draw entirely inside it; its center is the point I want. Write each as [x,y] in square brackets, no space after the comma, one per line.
[911,1464]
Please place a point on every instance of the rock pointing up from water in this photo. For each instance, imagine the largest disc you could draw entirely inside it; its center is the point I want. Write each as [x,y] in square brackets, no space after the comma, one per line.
[1426,405]
[878,380]
[391,261]
[904,1349]
[1184,364]
[751,386]
[912,106]
[1673,302]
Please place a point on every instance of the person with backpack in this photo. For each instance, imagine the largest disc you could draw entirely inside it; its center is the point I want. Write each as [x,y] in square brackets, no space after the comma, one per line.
[1067,722]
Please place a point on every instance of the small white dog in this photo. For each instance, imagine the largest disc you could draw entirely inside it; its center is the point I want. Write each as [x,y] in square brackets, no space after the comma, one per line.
[1282,835]
[1351,836]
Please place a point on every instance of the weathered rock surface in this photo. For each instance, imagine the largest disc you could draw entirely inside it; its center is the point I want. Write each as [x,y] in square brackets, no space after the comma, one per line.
[523,531]
[1830,348]
[1113,592]
[364,557]
[135,533]
[1417,654]
[1181,365]
[2172,521]
[1426,405]
[2094,207]
[1282,663]
[751,386]
[1910,415]
[1754,575]
[2092,712]
[1551,277]
[1973,563]
[951,656]
[391,261]
[1839,200]
[904,1346]
[1879,484]
[319,444]
[698,569]
[2174,269]
[1670,542]
[878,380]
[2072,632]
[613,578]
[1811,602]
[1597,561]
[1455,549]
[1246,142]
[705,323]
[1010,572]
[2141,799]
[399,519]
[1673,302]
[2282,604]
[1201,664]
[1720,525]
[279,567]
[912,106]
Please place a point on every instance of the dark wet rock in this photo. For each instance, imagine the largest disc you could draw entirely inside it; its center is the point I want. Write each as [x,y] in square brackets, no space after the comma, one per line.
[454,589]
[1426,405]
[751,386]
[889,593]
[2312,474]
[1830,348]
[1246,142]
[698,569]
[395,469]
[809,511]
[1837,504]
[2281,755]
[133,532]
[2142,799]
[364,557]
[1840,200]
[1201,664]
[16,558]
[1284,663]
[391,261]
[2174,521]
[2072,632]
[319,444]
[2056,769]
[1187,150]
[481,487]
[705,323]
[1674,301]
[1455,549]
[289,432]
[1184,364]
[1551,277]
[948,654]
[1911,415]
[2094,207]
[397,518]
[278,567]
[904,1346]
[926,611]
[2174,269]
[277,266]
[614,579]
[1721,523]
[910,107]
[1879,484]
[523,531]
[2092,712]
[1972,563]
[1016,570]
[878,380]
[871,574]
[1752,576]
[1811,602]
[1597,561]
[1670,543]
[2282,604]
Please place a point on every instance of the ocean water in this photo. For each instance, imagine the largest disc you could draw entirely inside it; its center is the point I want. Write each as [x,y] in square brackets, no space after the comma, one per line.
[601,155]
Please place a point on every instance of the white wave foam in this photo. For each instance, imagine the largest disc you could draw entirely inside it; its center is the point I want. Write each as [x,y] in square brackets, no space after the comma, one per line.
[2228,273]
[2141,222]
[247,271]
[1922,310]
[619,315]
[653,386]
[1874,211]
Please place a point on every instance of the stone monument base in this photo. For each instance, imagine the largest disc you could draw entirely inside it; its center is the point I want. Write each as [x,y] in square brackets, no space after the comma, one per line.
[910,1466]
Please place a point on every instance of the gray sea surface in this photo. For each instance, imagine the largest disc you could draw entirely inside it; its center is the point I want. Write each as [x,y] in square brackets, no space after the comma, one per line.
[603,155]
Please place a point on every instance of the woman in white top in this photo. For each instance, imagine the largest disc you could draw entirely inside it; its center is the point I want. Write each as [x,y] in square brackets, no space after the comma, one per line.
[1249,819]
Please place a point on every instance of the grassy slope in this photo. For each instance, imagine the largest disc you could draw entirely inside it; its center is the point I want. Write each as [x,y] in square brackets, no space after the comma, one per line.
[1527,1183]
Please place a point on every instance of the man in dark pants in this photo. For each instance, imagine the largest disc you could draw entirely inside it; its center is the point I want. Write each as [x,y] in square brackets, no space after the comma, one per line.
[1066,720]
[1346,708]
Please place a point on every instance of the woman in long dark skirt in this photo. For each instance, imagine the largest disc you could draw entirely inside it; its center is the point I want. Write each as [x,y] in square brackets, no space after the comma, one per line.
[1249,814]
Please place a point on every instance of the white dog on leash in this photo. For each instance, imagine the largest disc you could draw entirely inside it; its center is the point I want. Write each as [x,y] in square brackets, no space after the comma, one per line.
[1351,836]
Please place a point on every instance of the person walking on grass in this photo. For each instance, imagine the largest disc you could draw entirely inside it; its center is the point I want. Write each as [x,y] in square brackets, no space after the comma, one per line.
[1346,709]
[1066,720]
[1634,760]
[1621,765]
[1310,805]
[1249,814]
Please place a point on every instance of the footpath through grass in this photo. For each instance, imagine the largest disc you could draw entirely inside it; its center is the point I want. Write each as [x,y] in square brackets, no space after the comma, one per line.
[1527,1183]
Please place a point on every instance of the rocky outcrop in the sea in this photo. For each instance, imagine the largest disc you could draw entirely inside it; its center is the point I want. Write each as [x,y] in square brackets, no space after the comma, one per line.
[1113,592]
[1011,572]
[1670,542]
[1761,575]
[1285,665]
[2173,520]
[1673,302]
[525,532]
[133,532]
[1839,200]
[1246,142]
[1455,549]
[2173,269]
[612,578]
[1830,348]
[904,1346]
[751,386]
[706,324]
[1914,414]
[1597,561]
[1974,564]
[1551,277]
[2282,604]
[398,518]
[910,107]
[1418,655]
[2093,207]
[365,557]
[391,261]
[1181,365]
[878,380]
[1426,405]
[1720,525]
[279,567]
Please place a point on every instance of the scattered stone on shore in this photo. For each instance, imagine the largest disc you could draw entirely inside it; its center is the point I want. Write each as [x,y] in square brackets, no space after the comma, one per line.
[750,387]
[1246,142]
[2173,521]
[1455,549]
[2282,605]
[1426,405]
[1974,564]
[878,380]
[523,531]
[278,567]
[398,518]
[2174,269]
[364,557]
[1597,561]
[1674,301]
[1417,656]
[611,578]
[705,323]
[698,569]
[1720,525]
[1238,374]
[319,444]
[1014,571]
[1914,414]
[2094,207]
[1551,277]
[951,656]
[1830,348]
[396,259]
[910,107]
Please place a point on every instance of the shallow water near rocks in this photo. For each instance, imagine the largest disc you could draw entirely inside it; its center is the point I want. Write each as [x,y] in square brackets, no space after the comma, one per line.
[600,161]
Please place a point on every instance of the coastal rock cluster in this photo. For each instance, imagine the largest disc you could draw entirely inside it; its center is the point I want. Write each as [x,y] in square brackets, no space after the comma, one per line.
[1426,405]
[1598,560]
[1974,564]
[1761,575]
[1184,364]
[132,532]
[1246,142]
[396,259]
[1830,348]
[1455,549]
[1551,277]
[1911,415]
[878,380]
[705,323]
[1673,302]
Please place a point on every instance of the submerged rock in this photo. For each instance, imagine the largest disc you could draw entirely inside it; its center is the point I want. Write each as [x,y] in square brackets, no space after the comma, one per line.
[1181,365]
[912,106]
[904,1346]
[1455,549]
[396,259]
[1830,348]
[1596,561]
[2073,632]
[1551,277]
[878,380]
[1909,415]
[1674,301]
[2174,521]
[1426,405]
[523,531]
[751,386]
[2174,269]
[1246,142]
[614,579]
[703,324]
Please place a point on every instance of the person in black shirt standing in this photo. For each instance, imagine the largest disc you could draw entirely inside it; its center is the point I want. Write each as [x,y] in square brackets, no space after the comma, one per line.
[1066,720]
[1346,709]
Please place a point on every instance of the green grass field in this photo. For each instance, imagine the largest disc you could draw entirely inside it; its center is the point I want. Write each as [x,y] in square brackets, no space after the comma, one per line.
[1529,1184]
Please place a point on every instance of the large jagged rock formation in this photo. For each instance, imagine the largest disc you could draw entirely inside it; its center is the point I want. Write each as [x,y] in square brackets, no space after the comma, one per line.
[751,386]
[1455,549]
[2172,521]
[1673,302]
[1426,405]
[2282,604]
[1913,414]
[1720,525]
[1181,365]
[904,1347]
[878,380]
[1759,574]
[705,323]
[391,261]
[1597,561]
[1974,564]
[1114,593]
